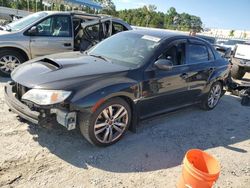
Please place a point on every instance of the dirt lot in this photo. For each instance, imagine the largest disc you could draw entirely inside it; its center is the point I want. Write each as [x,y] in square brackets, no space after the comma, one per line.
[32,156]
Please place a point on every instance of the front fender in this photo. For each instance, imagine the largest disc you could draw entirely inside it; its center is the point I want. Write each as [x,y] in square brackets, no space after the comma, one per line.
[25,49]
[84,99]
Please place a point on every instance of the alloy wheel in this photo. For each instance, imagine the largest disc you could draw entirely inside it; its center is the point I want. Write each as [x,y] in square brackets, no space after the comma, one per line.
[8,63]
[214,96]
[111,123]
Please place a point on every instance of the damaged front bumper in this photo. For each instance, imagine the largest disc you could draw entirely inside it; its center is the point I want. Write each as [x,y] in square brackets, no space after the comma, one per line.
[63,116]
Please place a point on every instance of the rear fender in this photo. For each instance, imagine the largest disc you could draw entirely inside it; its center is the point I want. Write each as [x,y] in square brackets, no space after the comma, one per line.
[220,75]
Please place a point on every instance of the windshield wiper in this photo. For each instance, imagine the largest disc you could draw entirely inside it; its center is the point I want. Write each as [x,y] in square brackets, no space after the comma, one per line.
[5,28]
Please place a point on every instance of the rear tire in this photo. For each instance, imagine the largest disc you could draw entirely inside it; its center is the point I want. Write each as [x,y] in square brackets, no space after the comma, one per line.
[212,98]
[107,124]
[9,59]
[237,72]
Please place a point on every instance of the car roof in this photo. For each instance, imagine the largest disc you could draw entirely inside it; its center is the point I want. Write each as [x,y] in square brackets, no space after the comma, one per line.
[80,13]
[57,12]
[162,34]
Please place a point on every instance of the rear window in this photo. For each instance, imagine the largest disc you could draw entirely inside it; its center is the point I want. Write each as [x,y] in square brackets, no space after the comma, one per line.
[197,53]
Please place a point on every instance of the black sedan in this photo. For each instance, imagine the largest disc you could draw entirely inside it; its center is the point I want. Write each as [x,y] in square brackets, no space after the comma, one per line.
[109,88]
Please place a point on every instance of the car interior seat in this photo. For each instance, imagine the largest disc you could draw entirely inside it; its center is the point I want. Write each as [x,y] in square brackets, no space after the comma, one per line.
[172,55]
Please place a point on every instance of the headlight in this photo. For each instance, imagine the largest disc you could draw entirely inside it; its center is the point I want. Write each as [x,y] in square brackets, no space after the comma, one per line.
[46,97]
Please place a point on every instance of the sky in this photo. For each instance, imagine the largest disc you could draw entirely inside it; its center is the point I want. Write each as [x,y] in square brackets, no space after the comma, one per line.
[222,14]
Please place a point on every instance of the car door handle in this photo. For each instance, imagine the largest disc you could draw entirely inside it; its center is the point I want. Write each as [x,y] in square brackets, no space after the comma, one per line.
[184,76]
[67,44]
[211,69]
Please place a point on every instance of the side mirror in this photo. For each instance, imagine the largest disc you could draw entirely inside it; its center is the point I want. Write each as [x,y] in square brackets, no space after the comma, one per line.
[32,30]
[164,64]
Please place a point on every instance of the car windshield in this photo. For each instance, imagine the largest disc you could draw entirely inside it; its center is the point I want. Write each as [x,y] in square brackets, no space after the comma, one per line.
[26,21]
[128,49]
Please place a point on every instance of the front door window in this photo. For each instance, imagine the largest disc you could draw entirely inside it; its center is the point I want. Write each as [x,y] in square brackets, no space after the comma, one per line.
[56,26]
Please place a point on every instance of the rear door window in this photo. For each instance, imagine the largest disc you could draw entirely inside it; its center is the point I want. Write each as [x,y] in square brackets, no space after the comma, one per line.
[198,53]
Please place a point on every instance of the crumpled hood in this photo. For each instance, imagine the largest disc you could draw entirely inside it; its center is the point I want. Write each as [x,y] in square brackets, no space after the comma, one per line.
[64,71]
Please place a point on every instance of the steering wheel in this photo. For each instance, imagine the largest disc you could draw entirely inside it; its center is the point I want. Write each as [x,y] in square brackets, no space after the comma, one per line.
[39,28]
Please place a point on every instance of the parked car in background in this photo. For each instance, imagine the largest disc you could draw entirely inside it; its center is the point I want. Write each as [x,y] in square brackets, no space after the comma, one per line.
[130,76]
[240,60]
[220,41]
[231,43]
[209,39]
[45,33]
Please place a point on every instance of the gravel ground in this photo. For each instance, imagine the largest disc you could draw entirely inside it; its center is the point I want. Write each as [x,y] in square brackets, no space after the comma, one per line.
[33,156]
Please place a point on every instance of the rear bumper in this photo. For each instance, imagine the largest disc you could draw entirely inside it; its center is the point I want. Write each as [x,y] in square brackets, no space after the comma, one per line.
[18,107]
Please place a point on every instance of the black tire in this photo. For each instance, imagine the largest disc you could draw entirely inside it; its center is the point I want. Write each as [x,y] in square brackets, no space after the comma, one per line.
[237,72]
[205,102]
[13,53]
[87,125]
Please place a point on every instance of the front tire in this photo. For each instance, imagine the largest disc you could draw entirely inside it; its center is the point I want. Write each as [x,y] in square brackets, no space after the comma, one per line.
[9,60]
[211,100]
[107,124]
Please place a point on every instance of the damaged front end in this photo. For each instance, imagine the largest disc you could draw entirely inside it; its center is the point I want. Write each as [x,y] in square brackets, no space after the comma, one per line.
[35,113]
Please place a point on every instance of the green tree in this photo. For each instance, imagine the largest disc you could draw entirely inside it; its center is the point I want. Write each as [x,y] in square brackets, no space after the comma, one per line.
[231,33]
[5,3]
[148,16]
[108,7]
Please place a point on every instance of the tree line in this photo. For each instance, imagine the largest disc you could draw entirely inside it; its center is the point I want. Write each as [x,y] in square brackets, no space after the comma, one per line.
[149,17]
[146,16]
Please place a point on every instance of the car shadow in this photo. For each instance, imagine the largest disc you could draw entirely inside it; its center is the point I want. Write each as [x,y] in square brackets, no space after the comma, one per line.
[160,143]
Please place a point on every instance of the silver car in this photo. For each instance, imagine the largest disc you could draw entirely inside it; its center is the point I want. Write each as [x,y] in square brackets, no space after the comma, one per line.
[45,33]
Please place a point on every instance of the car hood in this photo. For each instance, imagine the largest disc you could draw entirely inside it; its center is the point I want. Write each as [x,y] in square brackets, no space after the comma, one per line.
[3,32]
[64,71]
[8,36]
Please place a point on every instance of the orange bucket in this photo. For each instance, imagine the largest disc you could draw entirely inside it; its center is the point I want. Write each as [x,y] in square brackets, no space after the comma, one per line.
[200,170]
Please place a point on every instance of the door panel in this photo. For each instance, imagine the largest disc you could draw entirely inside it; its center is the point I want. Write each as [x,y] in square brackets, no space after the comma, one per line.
[164,90]
[53,35]
[49,45]
[201,66]
[198,77]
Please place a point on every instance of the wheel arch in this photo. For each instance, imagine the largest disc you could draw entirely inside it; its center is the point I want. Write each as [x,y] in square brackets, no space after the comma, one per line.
[19,50]
[133,108]
[126,91]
